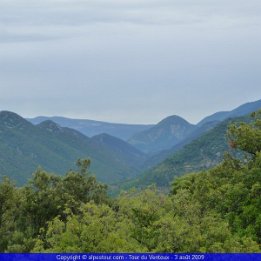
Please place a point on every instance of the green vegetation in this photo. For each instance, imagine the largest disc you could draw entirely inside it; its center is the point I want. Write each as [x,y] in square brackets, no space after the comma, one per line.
[24,147]
[203,153]
[25,212]
[218,210]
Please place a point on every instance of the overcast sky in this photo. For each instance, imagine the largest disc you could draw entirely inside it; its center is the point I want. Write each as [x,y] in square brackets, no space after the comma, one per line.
[134,61]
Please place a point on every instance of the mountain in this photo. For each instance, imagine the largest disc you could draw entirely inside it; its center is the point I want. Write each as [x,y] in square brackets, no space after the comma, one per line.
[121,150]
[91,128]
[24,147]
[202,153]
[237,112]
[164,154]
[167,133]
[161,138]
[172,133]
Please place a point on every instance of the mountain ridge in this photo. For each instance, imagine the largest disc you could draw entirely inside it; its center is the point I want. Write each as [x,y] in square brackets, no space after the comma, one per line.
[91,128]
[201,153]
[150,141]
[241,110]
[25,146]
[170,130]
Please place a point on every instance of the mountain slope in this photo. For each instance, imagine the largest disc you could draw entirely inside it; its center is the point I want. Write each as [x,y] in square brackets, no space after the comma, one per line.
[162,155]
[167,133]
[24,146]
[237,112]
[202,153]
[91,128]
[123,151]
[202,127]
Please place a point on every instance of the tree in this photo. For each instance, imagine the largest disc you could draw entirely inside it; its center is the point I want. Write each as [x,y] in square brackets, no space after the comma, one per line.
[246,136]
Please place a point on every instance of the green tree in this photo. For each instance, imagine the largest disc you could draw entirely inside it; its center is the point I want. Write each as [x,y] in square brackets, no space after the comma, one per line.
[246,136]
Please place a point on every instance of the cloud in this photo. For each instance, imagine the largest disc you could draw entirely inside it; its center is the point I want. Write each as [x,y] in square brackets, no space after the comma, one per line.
[50,19]
[99,58]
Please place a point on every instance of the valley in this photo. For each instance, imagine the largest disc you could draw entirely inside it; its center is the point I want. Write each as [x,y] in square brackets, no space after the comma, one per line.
[141,156]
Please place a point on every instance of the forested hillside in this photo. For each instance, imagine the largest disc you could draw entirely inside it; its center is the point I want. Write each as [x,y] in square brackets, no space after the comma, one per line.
[24,147]
[202,153]
[212,211]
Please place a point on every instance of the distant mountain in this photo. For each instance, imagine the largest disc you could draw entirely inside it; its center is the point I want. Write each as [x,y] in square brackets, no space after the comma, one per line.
[202,153]
[24,147]
[162,155]
[167,133]
[91,128]
[239,111]
[121,150]
[172,133]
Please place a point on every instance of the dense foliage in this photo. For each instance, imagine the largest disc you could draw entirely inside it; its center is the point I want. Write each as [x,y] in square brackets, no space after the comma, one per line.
[218,210]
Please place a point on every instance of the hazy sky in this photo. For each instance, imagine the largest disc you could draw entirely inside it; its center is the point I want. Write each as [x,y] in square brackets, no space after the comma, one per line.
[134,61]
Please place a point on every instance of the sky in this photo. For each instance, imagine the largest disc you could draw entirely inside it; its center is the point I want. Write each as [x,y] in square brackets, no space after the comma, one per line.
[130,61]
